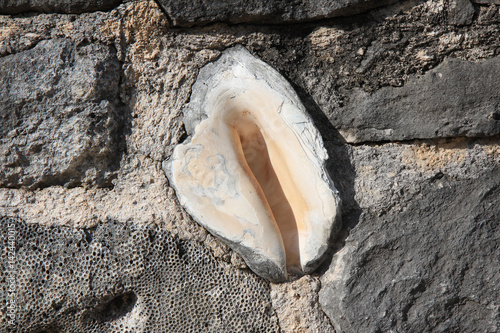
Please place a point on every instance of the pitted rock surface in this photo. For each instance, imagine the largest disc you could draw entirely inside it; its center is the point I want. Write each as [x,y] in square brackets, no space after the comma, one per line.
[126,278]
[61,115]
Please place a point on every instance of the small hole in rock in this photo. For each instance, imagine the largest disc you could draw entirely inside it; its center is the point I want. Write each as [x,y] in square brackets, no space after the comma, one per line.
[116,308]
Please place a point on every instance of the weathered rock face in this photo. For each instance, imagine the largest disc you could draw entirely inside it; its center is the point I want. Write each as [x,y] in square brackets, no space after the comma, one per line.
[199,12]
[55,6]
[60,115]
[425,259]
[297,306]
[124,278]
[461,12]
[457,98]
[419,241]
[487,2]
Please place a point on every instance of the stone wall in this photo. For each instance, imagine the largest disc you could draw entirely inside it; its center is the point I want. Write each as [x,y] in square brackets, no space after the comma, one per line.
[406,95]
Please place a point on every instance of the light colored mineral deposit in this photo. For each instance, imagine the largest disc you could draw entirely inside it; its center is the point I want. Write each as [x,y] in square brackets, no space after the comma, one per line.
[253,172]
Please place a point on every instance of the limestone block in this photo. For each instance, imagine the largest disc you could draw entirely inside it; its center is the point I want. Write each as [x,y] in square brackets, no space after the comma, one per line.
[457,98]
[253,170]
[60,116]
[424,253]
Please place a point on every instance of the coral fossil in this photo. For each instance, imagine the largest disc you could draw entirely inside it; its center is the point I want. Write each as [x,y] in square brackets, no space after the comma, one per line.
[253,172]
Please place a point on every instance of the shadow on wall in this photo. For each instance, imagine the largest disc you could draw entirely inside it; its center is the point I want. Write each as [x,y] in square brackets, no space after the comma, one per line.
[341,171]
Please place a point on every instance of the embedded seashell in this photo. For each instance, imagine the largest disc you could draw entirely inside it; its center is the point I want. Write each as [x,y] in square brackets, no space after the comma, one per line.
[253,172]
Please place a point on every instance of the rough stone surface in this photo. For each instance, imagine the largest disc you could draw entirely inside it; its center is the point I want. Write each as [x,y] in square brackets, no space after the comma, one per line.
[297,306]
[189,13]
[55,6]
[124,278]
[326,62]
[487,2]
[60,115]
[423,256]
[461,12]
[457,98]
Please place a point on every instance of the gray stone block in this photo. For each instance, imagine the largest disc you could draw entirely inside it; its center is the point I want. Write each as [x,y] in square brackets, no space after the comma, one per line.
[487,2]
[55,6]
[461,12]
[60,115]
[199,12]
[424,254]
[457,98]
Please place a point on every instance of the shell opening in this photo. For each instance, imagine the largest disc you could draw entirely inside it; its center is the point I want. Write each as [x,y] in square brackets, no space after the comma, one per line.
[263,169]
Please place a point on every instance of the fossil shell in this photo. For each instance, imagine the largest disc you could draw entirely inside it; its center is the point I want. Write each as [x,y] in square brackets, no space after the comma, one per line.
[253,171]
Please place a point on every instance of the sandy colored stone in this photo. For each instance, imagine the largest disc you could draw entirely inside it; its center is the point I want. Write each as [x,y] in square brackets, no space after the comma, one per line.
[297,307]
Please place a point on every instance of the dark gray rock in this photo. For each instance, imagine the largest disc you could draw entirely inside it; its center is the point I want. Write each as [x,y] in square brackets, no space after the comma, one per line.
[461,12]
[123,278]
[198,12]
[55,6]
[457,98]
[487,2]
[425,252]
[60,115]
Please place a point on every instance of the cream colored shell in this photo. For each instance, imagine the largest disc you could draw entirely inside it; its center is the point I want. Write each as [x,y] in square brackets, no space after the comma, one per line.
[253,171]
